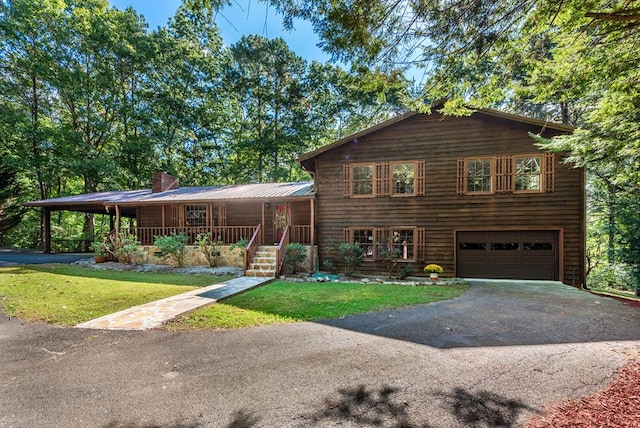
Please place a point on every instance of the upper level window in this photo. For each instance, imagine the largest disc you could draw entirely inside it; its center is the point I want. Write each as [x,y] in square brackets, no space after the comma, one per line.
[362,180]
[478,172]
[381,179]
[506,174]
[404,175]
[528,173]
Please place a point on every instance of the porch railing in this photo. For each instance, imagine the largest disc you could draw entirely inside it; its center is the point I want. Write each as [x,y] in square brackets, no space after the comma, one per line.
[281,249]
[302,235]
[225,234]
[252,247]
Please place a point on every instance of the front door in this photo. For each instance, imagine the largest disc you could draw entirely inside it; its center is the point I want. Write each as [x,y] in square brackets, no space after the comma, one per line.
[283,218]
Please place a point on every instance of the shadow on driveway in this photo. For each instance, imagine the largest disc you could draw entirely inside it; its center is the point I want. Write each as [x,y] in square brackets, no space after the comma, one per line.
[505,313]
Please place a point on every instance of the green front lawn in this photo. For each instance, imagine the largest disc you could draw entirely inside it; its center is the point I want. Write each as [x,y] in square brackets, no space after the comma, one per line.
[68,295]
[282,301]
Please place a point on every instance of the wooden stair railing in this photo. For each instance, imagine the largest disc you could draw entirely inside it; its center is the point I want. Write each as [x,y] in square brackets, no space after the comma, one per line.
[281,250]
[252,247]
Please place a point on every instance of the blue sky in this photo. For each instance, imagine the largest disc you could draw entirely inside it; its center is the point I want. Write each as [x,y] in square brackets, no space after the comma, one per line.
[243,18]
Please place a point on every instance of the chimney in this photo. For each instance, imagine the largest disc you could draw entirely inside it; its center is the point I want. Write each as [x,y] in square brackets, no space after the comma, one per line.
[162,181]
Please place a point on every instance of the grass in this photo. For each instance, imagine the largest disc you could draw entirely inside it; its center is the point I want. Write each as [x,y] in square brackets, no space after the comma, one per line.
[67,295]
[281,302]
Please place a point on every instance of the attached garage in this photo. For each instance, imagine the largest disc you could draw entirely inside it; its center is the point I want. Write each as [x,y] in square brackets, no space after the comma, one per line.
[518,254]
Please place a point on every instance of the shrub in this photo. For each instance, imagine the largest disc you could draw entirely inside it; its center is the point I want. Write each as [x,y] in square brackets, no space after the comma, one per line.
[126,249]
[294,253]
[389,256]
[172,245]
[351,256]
[329,262]
[209,248]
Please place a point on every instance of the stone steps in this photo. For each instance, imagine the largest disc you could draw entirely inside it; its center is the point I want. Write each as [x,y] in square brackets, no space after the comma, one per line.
[264,263]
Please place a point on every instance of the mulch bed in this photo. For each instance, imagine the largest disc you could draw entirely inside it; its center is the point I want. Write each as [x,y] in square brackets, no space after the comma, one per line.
[616,406]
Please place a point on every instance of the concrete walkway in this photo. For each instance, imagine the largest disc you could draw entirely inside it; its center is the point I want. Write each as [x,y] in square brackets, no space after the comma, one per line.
[154,314]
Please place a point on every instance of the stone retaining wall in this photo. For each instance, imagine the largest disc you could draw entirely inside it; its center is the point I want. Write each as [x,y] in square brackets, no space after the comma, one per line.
[194,257]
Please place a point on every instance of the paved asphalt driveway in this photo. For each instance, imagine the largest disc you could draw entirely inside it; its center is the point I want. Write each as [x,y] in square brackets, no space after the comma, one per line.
[491,358]
[33,257]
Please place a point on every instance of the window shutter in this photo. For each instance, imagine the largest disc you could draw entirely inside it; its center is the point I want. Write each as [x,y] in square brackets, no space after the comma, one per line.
[383,179]
[421,254]
[420,178]
[504,174]
[346,235]
[549,172]
[346,180]
[381,237]
[460,187]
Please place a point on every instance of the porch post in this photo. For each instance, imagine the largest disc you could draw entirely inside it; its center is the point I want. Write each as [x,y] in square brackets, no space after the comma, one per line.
[117,220]
[111,222]
[263,225]
[313,221]
[313,235]
[46,232]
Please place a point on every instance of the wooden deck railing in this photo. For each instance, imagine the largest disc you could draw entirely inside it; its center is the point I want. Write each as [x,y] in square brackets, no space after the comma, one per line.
[252,247]
[281,249]
[225,234]
[302,235]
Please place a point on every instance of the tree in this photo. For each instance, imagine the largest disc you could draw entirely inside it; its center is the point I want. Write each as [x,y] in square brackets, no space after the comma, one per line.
[189,104]
[269,82]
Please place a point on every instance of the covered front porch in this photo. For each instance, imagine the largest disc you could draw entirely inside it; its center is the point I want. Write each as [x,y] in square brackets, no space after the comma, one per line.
[248,215]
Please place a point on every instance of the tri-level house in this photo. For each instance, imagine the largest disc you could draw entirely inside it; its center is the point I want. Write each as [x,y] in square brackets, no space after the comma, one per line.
[474,194]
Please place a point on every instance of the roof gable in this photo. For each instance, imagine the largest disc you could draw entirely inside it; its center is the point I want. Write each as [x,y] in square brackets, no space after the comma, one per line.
[306,159]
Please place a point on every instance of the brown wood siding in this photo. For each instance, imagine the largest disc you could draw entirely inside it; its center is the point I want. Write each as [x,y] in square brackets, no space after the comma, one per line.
[150,216]
[442,211]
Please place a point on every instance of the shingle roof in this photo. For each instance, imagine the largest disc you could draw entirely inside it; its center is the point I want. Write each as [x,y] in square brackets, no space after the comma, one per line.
[185,194]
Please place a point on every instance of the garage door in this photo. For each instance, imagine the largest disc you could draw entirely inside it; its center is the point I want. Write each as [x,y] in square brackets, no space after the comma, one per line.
[526,254]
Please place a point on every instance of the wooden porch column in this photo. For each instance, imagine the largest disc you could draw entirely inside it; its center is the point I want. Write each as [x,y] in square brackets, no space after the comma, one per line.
[263,224]
[112,224]
[46,231]
[313,221]
[117,220]
[313,235]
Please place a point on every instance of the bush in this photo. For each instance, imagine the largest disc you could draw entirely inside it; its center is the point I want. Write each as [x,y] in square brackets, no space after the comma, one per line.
[351,256]
[172,245]
[618,276]
[126,249]
[209,248]
[294,253]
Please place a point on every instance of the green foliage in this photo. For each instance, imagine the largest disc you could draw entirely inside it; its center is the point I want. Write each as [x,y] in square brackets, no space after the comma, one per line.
[173,245]
[389,256]
[295,253]
[100,247]
[11,211]
[126,249]
[350,255]
[241,245]
[616,277]
[209,248]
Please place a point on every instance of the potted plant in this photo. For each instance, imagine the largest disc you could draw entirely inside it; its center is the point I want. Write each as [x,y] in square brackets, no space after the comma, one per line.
[434,270]
[99,251]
